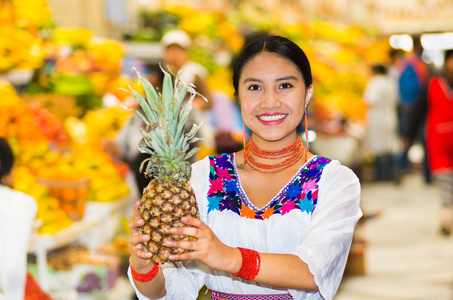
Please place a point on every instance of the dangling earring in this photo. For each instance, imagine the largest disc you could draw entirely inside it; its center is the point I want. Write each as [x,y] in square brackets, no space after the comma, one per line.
[243,133]
[306,135]
[241,166]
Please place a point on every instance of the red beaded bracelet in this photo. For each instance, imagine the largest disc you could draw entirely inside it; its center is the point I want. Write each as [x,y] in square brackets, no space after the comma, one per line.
[250,266]
[148,276]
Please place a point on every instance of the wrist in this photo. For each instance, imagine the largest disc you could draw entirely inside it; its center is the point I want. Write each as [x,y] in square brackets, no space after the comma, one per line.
[250,266]
[236,261]
[139,267]
[145,277]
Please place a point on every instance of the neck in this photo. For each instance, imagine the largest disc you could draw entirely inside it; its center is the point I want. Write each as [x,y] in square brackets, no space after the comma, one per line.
[266,145]
[273,161]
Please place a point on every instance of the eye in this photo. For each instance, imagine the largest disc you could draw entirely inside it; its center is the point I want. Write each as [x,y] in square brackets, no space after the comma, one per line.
[254,87]
[286,85]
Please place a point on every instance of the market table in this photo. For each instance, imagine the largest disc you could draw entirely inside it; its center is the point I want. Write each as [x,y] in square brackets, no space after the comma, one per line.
[97,226]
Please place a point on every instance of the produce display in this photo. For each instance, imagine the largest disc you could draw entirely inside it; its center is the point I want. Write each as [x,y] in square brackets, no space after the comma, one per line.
[20,46]
[340,54]
[168,196]
[54,165]
[51,215]
[45,149]
[78,64]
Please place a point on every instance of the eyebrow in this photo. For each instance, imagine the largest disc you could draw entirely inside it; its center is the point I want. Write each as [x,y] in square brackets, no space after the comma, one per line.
[279,79]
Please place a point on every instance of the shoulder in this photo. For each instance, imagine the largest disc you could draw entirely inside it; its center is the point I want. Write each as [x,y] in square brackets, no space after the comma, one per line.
[212,164]
[200,165]
[203,166]
[15,200]
[436,78]
[336,175]
[339,186]
[335,170]
[26,200]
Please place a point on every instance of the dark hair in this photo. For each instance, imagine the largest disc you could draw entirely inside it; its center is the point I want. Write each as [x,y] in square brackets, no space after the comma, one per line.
[379,69]
[263,42]
[6,158]
[448,53]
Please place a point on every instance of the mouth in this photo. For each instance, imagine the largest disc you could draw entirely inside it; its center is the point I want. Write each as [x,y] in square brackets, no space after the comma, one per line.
[272,118]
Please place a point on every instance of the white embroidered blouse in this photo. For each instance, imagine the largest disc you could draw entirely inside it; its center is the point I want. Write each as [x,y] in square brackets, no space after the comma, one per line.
[313,217]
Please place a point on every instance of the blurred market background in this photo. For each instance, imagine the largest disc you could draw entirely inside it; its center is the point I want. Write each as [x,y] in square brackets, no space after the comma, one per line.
[62,67]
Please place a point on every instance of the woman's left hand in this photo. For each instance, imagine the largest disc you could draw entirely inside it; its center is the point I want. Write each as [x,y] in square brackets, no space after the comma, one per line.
[207,248]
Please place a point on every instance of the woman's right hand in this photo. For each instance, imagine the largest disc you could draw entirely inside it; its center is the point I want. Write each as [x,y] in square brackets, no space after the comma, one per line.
[140,259]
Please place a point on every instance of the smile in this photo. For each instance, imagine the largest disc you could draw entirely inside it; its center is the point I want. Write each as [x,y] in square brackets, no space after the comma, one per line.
[269,118]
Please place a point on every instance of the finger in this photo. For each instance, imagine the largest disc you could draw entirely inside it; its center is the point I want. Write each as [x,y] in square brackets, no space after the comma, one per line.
[134,224]
[189,245]
[190,231]
[137,209]
[193,222]
[138,239]
[143,254]
[184,256]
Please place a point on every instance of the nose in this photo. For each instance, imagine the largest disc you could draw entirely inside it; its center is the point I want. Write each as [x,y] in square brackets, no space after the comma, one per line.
[270,99]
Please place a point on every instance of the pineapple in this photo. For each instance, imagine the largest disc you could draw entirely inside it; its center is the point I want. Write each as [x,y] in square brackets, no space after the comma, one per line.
[168,196]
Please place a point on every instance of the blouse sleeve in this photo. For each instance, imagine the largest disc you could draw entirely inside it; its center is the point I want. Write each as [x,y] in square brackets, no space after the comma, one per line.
[327,241]
[183,280]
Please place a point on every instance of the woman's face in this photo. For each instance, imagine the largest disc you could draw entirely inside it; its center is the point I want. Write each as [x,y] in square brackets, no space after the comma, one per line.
[272,96]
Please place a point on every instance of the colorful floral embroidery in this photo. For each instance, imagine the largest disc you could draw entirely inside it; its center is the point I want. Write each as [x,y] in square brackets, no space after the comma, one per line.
[225,192]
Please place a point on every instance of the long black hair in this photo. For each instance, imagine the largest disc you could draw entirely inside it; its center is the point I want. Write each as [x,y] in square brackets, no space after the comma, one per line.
[6,158]
[263,42]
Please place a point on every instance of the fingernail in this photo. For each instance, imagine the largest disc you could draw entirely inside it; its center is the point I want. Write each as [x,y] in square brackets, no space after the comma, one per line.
[170,243]
[173,230]
[184,219]
[172,257]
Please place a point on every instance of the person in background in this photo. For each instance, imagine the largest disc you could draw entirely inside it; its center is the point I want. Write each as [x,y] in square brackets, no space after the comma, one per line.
[17,217]
[177,45]
[276,221]
[435,105]
[412,80]
[125,145]
[381,97]
[394,66]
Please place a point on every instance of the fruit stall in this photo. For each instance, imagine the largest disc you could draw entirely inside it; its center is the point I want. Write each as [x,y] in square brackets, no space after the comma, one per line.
[54,113]
[51,83]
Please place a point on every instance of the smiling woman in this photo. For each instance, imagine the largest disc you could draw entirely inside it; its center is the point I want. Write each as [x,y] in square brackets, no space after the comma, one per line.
[276,221]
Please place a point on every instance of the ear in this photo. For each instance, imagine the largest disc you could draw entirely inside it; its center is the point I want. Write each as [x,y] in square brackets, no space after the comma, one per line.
[308,95]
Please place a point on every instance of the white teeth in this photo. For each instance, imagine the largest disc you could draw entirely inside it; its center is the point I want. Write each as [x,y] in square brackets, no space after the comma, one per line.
[271,118]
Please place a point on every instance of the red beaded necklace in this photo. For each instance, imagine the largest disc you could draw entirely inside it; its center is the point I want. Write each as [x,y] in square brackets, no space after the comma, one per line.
[292,154]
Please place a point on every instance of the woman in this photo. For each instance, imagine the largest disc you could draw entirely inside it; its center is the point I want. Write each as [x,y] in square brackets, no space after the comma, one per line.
[291,215]
[435,105]
[17,216]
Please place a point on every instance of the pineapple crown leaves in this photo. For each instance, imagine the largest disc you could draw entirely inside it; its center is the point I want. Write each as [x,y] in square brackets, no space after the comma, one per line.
[165,115]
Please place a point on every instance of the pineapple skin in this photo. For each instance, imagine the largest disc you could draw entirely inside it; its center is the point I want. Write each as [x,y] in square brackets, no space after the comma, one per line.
[162,207]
